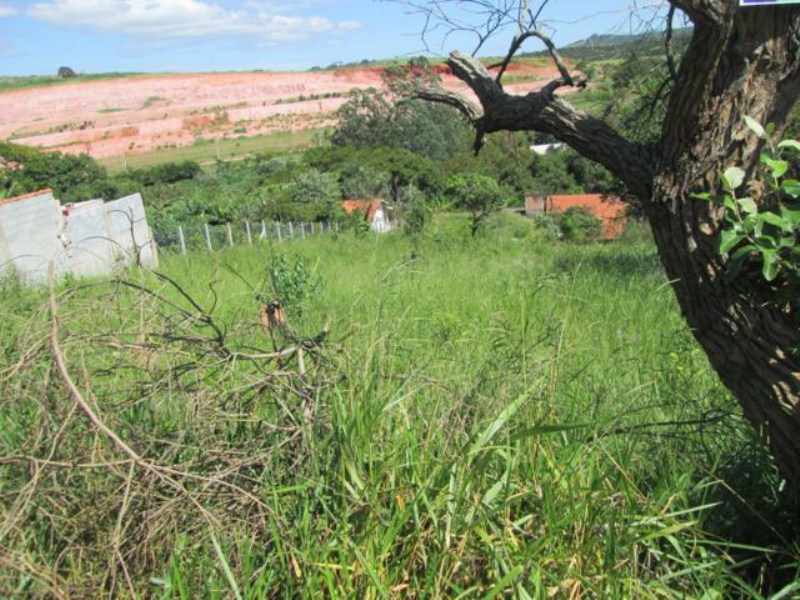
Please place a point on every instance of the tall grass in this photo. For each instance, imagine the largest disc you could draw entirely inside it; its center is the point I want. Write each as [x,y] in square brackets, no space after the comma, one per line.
[497,417]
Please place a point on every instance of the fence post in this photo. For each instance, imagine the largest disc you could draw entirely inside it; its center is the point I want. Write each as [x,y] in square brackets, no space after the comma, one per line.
[327,226]
[263,233]
[182,240]
[303,230]
[278,229]
[230,233]
[291,230]
[208,238]
[312,228]
[249,237]
[336,226]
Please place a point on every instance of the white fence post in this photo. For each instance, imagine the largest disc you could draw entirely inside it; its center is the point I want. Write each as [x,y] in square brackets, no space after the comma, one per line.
[291,230]
[278,229]
[182,240]
[303,230]
[249,237]
[263,233]
[230,233]
[208,237]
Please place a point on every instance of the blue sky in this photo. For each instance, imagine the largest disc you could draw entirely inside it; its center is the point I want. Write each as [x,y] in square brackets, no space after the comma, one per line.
[92,36]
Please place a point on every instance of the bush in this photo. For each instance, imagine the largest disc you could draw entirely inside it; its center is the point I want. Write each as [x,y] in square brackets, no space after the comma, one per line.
[170,172]
[578,224]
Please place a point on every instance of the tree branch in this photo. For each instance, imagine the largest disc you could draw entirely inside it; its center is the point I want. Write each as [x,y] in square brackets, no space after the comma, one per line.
[464,106]
[545,112]
[703,11]
[673,73]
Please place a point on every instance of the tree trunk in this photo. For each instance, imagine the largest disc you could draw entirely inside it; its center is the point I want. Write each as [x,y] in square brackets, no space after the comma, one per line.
[744,63]
[741,61]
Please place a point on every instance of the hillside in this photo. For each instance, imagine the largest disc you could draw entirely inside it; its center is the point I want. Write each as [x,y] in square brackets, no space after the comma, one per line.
[121,117]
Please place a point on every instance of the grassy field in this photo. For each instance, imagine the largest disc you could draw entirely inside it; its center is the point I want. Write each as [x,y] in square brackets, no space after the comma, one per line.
[205,151]
[499,417]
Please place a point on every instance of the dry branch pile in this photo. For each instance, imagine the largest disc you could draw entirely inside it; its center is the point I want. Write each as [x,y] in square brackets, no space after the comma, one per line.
[145,418]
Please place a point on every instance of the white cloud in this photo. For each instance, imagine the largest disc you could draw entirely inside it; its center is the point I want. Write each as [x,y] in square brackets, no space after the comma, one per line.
[174,19]
[7,11]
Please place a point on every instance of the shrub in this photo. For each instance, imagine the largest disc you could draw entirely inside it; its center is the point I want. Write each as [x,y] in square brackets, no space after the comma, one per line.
[578,224]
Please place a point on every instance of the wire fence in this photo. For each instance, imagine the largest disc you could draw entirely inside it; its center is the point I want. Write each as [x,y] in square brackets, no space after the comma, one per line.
[184,238]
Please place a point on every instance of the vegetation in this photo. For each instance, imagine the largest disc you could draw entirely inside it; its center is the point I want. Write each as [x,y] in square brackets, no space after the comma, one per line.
[476,439]
[432,414]
[753,345]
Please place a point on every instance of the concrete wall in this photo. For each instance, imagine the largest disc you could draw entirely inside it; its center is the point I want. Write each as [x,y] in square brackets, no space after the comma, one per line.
[129,228]
[91,248]
[85,239]
[31,235]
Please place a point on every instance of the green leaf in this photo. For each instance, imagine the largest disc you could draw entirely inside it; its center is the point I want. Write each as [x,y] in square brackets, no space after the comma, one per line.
[778,167]
[773,219]
[702,196]
[540,429]
[729,202]
[733,177]
[791,144]
[226,568]
[791,187]
[791,215]
[770,269]
[487,434]
[755,127]
[727,240]
[748,205]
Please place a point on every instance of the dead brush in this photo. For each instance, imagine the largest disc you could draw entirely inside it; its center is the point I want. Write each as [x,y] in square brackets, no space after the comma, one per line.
[144,417]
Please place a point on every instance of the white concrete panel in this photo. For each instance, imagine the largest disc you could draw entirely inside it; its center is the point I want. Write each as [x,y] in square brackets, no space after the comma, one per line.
[92,249]
[31,229]
[128,225]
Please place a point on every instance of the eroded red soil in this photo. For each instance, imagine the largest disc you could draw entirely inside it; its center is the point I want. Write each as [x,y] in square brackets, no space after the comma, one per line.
[137,114]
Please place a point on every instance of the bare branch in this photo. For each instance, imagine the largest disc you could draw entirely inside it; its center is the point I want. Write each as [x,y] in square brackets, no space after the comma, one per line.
[668,45]
[464,106]
[545,112]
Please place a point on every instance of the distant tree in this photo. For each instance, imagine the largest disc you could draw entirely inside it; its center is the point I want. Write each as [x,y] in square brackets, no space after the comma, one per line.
[72,178]
[316,193]
[66,72]
[375,118]
[479,194]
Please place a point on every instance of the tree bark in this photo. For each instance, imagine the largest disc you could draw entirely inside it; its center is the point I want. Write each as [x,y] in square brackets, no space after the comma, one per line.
[741,61]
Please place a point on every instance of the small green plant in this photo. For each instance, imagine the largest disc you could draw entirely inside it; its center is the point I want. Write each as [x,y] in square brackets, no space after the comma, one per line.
[293,280]
[416,218]
[763,228]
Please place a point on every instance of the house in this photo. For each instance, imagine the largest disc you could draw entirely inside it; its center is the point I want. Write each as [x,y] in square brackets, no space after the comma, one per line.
[374,211]
[542,149]
[609,209]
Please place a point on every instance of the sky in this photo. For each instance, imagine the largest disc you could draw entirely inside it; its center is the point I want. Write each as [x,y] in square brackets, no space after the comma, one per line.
[96,36]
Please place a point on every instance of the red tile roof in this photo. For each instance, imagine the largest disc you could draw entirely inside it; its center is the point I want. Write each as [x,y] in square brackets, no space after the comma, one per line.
[368,208]
[609,209]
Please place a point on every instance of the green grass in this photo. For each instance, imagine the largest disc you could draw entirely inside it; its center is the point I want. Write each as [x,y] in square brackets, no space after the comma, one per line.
[11,83]
[226,149]
[498,417]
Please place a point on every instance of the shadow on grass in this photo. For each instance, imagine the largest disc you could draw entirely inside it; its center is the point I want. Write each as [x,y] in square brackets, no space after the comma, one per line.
[758,518]
[622,262]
